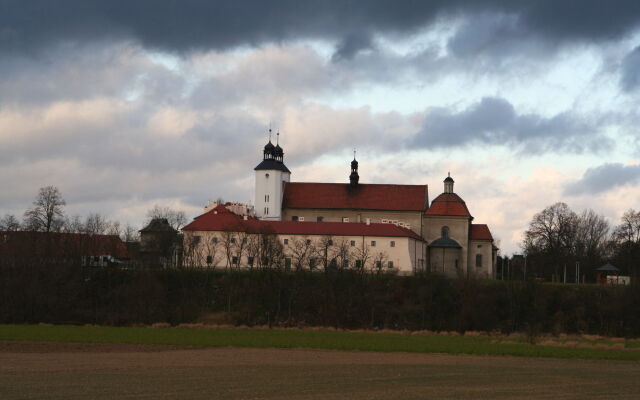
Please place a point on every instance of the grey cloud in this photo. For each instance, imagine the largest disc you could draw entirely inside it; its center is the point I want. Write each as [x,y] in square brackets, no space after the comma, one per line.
[603,178]
[494,121]
[630,78]
[351,45]
[179,25]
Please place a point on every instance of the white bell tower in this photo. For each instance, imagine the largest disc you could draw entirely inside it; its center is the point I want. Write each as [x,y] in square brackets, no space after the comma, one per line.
[271,174]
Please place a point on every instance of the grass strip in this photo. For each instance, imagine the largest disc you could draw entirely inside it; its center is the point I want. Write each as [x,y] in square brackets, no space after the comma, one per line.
[313,339]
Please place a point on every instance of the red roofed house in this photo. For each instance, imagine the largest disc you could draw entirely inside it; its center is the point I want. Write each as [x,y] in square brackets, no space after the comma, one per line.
[19,247]
[395,222]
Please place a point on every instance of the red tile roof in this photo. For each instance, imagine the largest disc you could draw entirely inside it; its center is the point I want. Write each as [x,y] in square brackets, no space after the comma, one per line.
[220,219]
[480,232]
[60,245]
[448,204]
[363,196]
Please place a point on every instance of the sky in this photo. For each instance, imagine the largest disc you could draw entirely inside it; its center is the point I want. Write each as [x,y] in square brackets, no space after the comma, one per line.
[123,105]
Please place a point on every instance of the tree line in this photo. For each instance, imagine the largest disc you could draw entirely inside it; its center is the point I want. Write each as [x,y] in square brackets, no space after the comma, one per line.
[341,298]
[47,214]
[557,238]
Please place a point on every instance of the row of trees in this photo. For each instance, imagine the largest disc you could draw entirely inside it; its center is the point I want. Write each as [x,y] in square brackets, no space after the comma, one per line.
[47,214]
[236,248]
[558,237]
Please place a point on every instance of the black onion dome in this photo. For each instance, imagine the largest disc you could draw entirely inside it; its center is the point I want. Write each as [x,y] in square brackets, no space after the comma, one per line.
[269,146]
[354,164]
[278,151]
[448,179]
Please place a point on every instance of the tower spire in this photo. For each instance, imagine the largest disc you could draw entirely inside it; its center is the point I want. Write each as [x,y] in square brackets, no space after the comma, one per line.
[354,178]
[448,183]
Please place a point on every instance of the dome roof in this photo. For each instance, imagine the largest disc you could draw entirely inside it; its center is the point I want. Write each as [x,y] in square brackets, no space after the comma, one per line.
[448,204]
[278,150]
[269,146]
[448,179]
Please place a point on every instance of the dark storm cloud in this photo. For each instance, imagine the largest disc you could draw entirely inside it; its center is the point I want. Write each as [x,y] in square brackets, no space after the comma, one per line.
[494,121]
[603,178]
[179,25]
[351,45]
[630,77]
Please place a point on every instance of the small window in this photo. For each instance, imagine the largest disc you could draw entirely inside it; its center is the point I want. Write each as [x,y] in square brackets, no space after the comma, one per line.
[209,259]
[214,240]
[233,240]
[385,221]
[286,241]
[267,210]
[301,219]
[479,246]
[345,219]
[353,243]
[345,263]
[330,242]
[319,219]
[312,262]
[250,261]
[378,264]
[244,240]
[373,243]
[234,260]
[308,241]
[444,232]
[478,260]
[392,243]
[287,263]
[196,239]
[358,263]
[390,264]
[294,217]
[266,175]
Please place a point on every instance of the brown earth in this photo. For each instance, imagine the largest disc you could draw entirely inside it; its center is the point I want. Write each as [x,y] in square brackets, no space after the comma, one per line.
[109,371]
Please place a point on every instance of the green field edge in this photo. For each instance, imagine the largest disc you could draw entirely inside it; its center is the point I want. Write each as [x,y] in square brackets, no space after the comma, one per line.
[305,339]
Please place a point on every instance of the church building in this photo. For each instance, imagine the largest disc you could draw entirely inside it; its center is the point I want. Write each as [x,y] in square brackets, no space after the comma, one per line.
[389,226]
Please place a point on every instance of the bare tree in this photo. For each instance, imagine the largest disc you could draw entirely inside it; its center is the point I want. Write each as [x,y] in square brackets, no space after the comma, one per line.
[240,246]
[130,234]
[96,224]
[9,223]
[324,251]
[192,250]
[362,255]
[301,250]
[47,213]
[227,243]
[549,241]
[212,250]
[342,254]
[74,224]
[379,260]
[177,219]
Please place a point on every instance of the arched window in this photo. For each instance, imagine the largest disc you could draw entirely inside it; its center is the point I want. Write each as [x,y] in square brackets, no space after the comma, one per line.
[445,232]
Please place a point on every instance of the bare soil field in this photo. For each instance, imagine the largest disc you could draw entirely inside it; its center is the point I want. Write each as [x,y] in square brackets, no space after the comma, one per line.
[31,370]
